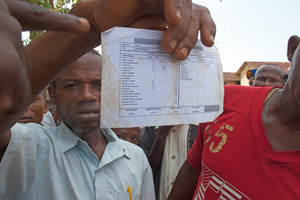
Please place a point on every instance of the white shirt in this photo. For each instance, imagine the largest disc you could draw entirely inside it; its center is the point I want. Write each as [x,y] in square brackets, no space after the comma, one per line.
[175,153]
[48,120]
[53,163]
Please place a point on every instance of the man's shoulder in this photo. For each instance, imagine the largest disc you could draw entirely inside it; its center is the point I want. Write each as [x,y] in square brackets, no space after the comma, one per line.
[33,130]
[239,97]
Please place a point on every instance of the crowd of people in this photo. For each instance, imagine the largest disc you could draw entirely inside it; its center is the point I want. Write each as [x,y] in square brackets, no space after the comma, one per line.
[51,143]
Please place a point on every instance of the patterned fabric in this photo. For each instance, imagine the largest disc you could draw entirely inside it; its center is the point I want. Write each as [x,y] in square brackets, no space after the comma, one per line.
[236,157]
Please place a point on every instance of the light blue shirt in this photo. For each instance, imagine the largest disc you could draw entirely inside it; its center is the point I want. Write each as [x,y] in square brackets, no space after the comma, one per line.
[53,163]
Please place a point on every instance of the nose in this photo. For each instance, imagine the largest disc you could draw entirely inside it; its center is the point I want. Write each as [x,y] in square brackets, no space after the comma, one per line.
[267,83]
[88,94]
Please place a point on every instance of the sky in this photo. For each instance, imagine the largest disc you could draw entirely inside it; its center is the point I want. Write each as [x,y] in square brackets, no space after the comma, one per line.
[253,30]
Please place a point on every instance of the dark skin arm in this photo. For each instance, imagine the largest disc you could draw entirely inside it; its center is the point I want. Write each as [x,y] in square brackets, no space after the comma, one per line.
[185,183]
[15,90]
[156,153]
[281,113]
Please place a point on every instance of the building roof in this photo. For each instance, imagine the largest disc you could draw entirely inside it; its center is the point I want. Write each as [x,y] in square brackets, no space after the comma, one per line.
[254,65]
[229,76]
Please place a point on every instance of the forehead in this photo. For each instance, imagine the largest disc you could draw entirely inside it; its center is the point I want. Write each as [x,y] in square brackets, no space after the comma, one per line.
[127,130]
[268,70]
[88,67]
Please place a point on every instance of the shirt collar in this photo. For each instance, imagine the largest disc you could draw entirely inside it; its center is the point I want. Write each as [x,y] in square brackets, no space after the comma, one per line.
[68,139]
[115,145]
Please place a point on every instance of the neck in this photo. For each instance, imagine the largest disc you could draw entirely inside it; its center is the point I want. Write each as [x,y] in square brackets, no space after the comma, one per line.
[96,141]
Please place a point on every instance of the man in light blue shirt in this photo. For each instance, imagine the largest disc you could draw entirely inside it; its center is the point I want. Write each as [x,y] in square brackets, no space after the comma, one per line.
[77,160]
[54,163]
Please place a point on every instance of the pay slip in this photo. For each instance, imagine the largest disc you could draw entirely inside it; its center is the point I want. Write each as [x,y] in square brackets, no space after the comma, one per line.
[144,86]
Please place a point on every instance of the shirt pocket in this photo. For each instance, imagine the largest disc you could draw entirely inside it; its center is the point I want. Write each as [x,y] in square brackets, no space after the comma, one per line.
[125,196]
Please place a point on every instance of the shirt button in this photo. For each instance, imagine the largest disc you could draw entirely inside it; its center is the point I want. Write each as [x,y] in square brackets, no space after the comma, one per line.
[173,157]
[172,183]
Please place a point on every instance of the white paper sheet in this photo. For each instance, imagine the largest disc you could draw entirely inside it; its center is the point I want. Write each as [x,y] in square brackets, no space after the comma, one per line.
[144,86]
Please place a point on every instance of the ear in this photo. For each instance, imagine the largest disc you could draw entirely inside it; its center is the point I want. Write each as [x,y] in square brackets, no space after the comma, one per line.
[292,46]
[52,94]
[46,108]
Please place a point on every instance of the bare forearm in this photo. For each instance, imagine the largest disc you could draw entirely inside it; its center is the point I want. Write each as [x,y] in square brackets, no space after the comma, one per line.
[288,104]
[50,54]
[185,183]
[156,153]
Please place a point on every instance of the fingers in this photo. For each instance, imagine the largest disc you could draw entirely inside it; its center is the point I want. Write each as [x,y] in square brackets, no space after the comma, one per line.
[176,33]
[33,17]
[173,12]
[154,22]
[293,43]
[207,26]
[180,38]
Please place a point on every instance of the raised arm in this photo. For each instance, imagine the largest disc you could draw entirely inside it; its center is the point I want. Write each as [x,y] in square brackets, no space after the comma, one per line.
[185,183]
[156,153]
[281,112]
[291,92]
[16,16]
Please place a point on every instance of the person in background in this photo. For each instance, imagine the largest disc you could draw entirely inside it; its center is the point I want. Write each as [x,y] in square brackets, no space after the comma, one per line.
[254,142]
[129,134]
[48,120]
[56,118]
[34,113]
[269,75]
[250,76]
[166,148]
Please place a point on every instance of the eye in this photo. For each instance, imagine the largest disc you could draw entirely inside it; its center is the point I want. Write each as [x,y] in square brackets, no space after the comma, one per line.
[134,139]
[274,81]
[97,85]
[121,137]
[70,85]
[261,78]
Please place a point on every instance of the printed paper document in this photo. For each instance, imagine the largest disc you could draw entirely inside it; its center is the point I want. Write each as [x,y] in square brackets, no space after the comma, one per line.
[144,86]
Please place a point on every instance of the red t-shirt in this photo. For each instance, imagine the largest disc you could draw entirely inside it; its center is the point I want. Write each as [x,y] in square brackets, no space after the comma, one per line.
[235,156]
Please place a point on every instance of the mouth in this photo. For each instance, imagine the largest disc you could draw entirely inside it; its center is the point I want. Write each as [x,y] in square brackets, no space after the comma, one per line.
[88,114]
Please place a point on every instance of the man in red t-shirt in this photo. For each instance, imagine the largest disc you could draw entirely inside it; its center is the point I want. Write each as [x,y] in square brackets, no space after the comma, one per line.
[252,150]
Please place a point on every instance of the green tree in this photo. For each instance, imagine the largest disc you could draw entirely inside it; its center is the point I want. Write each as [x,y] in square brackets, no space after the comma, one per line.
[62,6]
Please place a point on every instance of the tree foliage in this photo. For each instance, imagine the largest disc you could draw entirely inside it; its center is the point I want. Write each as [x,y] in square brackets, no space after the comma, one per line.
[62,6]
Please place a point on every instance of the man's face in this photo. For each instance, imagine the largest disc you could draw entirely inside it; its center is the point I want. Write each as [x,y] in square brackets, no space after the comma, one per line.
[128,134]
[35,111]
[78,93]
[268,76]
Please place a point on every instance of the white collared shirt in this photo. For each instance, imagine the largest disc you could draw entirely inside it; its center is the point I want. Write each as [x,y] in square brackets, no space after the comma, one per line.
[53,163]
